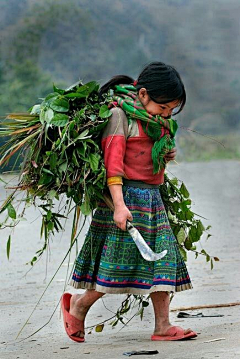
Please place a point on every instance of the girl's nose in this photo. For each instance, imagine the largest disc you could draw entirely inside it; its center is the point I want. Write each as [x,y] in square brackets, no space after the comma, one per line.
[166,113]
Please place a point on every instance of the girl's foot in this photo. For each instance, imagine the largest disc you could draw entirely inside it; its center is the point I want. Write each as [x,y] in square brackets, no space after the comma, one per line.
[171,332]
[161,331]
[78,310]
[80,305]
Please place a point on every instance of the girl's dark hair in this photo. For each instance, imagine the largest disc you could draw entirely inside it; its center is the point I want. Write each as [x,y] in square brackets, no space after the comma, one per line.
[162,82]
[116,80]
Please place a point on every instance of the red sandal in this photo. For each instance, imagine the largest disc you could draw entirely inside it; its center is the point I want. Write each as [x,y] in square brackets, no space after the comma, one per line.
[72,325]
[174,333]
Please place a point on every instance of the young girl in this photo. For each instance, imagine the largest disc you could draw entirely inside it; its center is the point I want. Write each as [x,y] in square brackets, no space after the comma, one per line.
[137,143]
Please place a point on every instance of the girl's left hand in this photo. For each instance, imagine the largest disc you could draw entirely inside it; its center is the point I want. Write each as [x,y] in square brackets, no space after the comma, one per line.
[170,156]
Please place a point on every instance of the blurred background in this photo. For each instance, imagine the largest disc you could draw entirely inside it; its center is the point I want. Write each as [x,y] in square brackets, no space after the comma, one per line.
[61,42]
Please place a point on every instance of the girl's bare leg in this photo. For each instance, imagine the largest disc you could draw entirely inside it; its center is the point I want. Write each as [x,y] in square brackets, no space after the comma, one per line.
[161,301]
[81,303]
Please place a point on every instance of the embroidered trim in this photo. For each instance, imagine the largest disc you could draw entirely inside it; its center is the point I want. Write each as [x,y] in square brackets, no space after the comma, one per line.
[114,180]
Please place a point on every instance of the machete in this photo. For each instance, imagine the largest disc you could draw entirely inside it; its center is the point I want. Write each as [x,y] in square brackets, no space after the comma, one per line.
[146,252]
[143,247]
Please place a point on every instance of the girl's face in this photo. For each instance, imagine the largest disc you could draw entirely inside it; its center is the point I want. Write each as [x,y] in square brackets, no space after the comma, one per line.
[164,110]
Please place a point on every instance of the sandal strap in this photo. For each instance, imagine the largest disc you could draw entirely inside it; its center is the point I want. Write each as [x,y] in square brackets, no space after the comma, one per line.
[74,325]
[175,331]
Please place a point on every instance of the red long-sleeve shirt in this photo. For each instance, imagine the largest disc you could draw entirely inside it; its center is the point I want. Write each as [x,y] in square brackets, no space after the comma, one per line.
[128,150]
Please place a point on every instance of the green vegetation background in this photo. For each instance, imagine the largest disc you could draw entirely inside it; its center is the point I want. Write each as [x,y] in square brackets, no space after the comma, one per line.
[63,41]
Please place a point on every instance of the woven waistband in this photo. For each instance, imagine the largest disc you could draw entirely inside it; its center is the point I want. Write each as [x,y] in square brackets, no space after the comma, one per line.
[138,184]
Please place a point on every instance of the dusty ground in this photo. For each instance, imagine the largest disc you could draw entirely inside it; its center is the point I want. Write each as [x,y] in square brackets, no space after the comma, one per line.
[214,189]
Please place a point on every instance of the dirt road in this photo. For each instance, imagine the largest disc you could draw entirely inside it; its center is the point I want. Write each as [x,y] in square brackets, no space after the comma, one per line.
[214,188]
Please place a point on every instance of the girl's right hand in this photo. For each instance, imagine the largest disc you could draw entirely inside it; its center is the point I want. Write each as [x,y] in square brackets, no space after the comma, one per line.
[120,216]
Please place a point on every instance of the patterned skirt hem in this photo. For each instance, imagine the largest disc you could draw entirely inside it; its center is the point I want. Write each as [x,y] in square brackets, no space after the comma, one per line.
[130,290]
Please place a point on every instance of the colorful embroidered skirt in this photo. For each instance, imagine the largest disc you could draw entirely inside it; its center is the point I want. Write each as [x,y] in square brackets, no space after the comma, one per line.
[109,260]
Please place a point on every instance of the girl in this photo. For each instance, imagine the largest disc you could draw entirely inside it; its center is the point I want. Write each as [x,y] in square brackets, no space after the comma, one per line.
[137,143]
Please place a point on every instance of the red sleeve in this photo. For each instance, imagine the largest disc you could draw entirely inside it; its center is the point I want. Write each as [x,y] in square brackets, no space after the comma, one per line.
[114,143]
[114,147]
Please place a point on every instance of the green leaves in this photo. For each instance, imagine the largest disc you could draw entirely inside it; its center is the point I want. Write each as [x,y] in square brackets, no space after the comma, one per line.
[73,95]
[58,90]
[45,179]
[181,236]
[94,161]
[188,244]
[104,112]
[184,191]
[85,207]
[183,253]
[46,115]
[196,231]
[83,135]
[200,228]
[60,120]
[187,229]
[60,104]
[88,88]
[35,110]
[66,156]
[8,247]
[11,211]
[53,160]
[49,114]
[193,234]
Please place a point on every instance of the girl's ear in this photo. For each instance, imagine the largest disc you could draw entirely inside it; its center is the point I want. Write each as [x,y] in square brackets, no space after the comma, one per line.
[143,96]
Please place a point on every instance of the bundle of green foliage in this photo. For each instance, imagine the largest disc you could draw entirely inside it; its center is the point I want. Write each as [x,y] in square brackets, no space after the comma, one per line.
[60,143]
